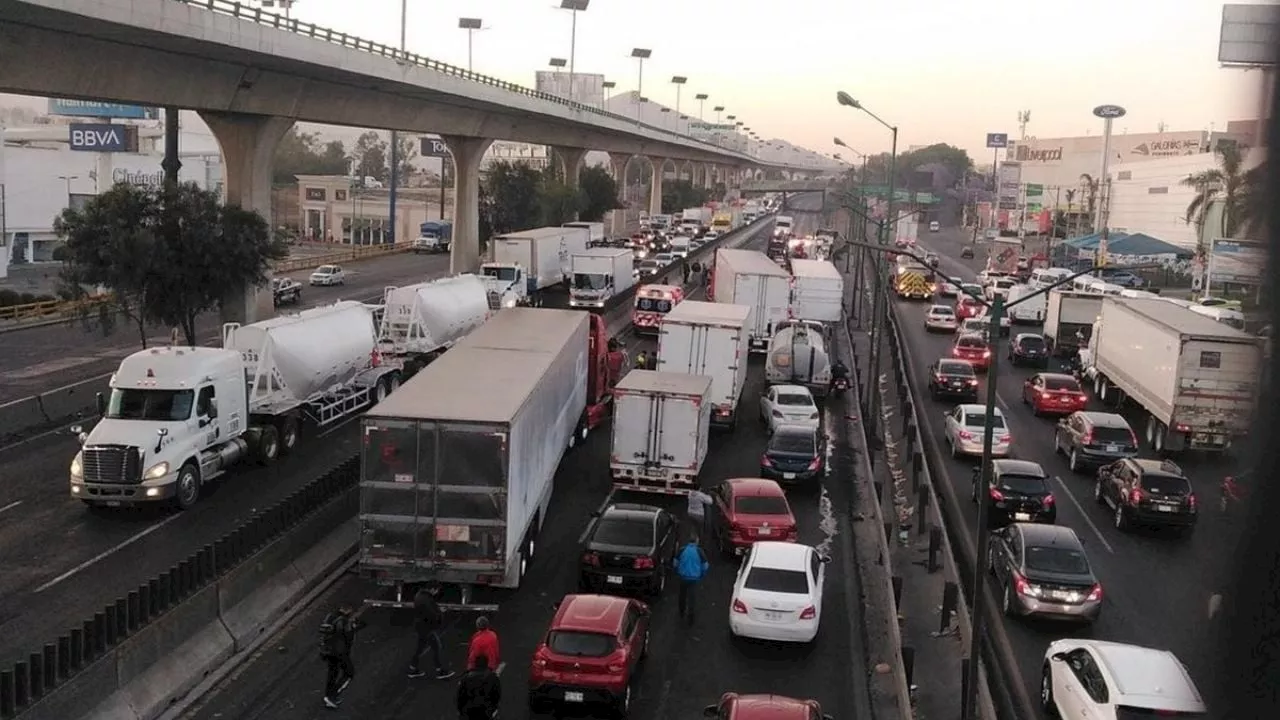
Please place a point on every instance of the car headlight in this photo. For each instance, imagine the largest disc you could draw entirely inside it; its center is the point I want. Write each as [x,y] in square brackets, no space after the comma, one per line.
[77,467]
[157,471]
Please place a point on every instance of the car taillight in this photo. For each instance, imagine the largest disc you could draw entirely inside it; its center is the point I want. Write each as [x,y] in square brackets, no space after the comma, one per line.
[973,382]
[737,528]
[777,414]
[1020,584]
[1191,501]
[591,559]
[540,658]
[1049,501]
[808,613]
[1006,439]
[643,563]
[739,607]
[986,353]
[765,461]
[813,416]
[1095,593]
[956,352]
[966,435]
[996,495]
[1082,397]
[814,463]
[617,663]
[1088,438]
[1135,496]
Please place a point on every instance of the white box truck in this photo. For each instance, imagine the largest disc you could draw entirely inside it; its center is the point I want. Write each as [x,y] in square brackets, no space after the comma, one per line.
[177,418]
[817,290]
[478,434]
[693,220]
[1068,320]
[1195,379]
[594,231]
[783,225]
[422,320]
[530,261]
[661,423]
[711,339]
[599,274]
[749,277]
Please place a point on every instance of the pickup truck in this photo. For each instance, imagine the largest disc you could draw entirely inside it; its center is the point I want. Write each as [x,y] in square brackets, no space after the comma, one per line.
[285,291]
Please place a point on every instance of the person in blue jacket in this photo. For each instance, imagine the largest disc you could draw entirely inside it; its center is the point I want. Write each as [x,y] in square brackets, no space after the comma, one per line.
[691,566]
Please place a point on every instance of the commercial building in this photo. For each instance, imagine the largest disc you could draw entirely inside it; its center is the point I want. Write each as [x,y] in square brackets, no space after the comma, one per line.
[332,209]
[1061,162]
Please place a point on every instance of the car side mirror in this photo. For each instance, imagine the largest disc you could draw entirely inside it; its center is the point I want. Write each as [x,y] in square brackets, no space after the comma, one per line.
[556,605]
[100,401]
[828,717]
[1060,657]
[645,611]
[711,711]
[824,559]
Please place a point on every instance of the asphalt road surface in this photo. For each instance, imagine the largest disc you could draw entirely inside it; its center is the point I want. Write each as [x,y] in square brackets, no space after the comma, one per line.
[1156,586]
[689,666]
[40,359]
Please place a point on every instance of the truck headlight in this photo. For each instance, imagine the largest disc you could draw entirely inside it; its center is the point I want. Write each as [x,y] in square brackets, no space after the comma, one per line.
[157,471]
[77,467]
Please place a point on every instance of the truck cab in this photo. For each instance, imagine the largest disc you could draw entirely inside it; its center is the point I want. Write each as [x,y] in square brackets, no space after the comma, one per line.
[506,284]
[653,302]
[433,237]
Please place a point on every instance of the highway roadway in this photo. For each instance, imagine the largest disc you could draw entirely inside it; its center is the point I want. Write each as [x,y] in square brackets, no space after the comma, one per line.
[689,666]
[1156,585]
[40,359]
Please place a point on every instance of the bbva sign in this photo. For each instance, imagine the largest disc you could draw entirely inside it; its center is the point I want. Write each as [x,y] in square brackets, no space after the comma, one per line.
[103,137]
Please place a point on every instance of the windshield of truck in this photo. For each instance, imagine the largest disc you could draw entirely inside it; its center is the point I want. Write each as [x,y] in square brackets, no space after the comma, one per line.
[505,274]
[653,305]
[590,281]
[624,532]
[580,644]
[161,405]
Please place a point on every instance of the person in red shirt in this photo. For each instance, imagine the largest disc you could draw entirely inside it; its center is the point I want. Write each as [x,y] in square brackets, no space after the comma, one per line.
[483,642]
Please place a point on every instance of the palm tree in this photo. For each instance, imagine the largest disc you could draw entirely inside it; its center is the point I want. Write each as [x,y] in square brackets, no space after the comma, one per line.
[1089,187]
[1239,191]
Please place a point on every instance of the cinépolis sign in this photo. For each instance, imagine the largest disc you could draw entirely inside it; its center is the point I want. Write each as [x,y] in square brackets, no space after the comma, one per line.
[141,179]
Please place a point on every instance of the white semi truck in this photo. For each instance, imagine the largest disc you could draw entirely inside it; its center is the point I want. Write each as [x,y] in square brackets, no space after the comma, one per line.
[177,418]
[1195,380]
[711,339]
[1069,318]
[783,226]
[598,275]
[661,424]
[420,321]
[817,290]
[530,261]
[479,433]
[594,231]
[749,277]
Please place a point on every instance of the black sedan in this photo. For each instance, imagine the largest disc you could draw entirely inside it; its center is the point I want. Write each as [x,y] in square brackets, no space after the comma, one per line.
[1045,573]
[1029,349]
[955,379]
[794,453]
[1018,492]
[966,252]
[627,548]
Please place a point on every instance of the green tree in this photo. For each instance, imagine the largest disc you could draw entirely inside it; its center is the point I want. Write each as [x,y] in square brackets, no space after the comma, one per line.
[557,202]
[1240,191]
[165,255]
[600,193]
[678,195]
[302,153]
[369,157]
[407,152]
[512,190]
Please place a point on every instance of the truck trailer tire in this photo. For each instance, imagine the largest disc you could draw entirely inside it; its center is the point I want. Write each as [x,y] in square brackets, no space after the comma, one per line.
[268,448]
[288,431]
[188,492]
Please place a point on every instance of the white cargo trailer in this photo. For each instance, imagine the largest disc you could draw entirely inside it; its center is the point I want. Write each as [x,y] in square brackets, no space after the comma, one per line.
[711,339]
[180,417]
[661,421]
[459,465]
[817,290]
[541,256]
[594,231]
[598,275]
[422,320]
[1069,318]
[1196,380]
[750,278]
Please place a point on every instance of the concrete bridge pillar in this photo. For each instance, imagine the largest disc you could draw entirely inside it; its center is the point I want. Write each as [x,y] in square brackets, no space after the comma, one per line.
[707,170]
[248,144]
[655,188]
[618,167]
[571,163]
[464,255]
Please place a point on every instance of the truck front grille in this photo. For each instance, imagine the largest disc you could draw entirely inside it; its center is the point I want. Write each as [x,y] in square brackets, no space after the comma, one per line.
[112,464]
[495,301]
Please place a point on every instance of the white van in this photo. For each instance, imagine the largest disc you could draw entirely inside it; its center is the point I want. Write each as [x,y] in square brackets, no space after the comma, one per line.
[1138,294]
[1044,277]
[1109,289]
[1027,311]
[1234,318]
[1083,283]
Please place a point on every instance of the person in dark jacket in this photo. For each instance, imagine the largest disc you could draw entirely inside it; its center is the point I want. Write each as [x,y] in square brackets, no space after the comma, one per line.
[479,692]
[337,637]
[428,622]
[691,566]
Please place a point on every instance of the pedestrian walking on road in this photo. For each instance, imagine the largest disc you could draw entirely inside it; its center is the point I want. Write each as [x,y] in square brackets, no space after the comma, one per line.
[483,645]
[699,513]
[175,336]
[428,622]
[691,566]
[642,360]
[479,692]
[337,637]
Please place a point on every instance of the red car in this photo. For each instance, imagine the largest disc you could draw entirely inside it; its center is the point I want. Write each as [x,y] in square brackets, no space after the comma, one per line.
[733,706]
[751,509]
[1053,394]
[968,307]
[590,653]
[973,348]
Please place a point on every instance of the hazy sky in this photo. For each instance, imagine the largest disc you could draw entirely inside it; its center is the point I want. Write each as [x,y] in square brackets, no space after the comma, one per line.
[943,71]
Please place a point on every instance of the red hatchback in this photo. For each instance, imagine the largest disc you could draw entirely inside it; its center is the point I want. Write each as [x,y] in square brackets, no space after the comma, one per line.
[748,510]
[1053,394]
[973,348]
[968,307]
[733,706]
[590,653]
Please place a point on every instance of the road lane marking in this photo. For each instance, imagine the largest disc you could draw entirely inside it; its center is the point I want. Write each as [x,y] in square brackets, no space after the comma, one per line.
[1083,515]
[11,505]
[106,554]
[827,523]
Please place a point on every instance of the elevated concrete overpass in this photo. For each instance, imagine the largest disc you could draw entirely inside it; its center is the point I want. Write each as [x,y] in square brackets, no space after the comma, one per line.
[786,186]
[252,74]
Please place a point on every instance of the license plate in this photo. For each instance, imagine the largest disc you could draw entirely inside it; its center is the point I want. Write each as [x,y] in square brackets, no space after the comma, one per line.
[788,476]
[1022,517]
[113,503]
[772,616]
[572,696]
[614,579]
[1060,595]
[1164,508]
[1064,401]
[765,531]
[1113,448]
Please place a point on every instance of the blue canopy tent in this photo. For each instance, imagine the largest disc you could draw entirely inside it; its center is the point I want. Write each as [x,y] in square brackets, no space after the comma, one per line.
[1143,245]
[1088,243]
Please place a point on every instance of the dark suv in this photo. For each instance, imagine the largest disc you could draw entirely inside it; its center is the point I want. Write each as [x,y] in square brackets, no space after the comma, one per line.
[954,379]
[628,547]
[1090,439]
[1147,492]
[1018,492]
[1029,349]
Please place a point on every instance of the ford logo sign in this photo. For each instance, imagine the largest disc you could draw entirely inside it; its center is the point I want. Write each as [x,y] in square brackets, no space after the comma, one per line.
[1109,111]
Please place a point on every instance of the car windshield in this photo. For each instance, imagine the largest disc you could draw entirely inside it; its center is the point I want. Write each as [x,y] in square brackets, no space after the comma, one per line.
[793,442]
[580,644]
[972,343]
[590,281]
[1061,384]
[1048,558]
[795,400]
[1032,342]
[505,274]
[760,505]
[326,269]
[1167,485]
[1140,713]
[979,420]
[942,310]
[160,405]
[1005,284]
[955,368]
[790,582]
[1022,484]
[624,532]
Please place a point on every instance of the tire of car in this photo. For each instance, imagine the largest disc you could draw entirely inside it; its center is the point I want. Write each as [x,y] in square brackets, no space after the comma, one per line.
[1073,461]
[1098,495]
[1047,702]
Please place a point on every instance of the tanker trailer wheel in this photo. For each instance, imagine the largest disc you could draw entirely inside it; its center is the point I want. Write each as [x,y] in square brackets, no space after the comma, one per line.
[268,445]
[288,434]
[188,491]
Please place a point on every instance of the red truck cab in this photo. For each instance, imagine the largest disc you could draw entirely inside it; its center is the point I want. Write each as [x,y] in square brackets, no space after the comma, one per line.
[604,367]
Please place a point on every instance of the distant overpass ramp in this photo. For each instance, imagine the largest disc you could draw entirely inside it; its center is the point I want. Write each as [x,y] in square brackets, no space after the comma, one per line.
[786,186]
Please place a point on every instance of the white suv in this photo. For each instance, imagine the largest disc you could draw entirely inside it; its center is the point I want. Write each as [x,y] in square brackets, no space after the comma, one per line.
[1113,681]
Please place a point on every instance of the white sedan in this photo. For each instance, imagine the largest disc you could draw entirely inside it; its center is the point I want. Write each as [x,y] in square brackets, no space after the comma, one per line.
[1086,679]
[941,318]
[328,275]
[788,405]
[778,593]
[965,426]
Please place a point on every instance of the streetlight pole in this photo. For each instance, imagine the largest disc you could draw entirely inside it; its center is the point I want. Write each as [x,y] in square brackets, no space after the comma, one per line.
[471,25]
[640,54]
[574,7]
[605,87]
[702,104]
[678,81]
[395,140]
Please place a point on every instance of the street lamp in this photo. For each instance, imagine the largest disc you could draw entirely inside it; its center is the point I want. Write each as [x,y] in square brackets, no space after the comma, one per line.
[285,5]
[557,63]
[574,7]
[702,103]
[393,188]
[678,81]
[663,119]
[471,25]
[606,86]
[640,54]
[67,179]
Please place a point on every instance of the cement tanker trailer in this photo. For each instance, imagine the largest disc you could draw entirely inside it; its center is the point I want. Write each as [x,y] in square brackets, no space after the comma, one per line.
[179,417]
[421,321]
[797,355]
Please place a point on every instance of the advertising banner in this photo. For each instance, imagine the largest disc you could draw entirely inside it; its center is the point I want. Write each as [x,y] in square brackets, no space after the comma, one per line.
[92,108]
[434,147]
[1236,261]
[1004,256]
[103,137]
[1010,185]
[924,198]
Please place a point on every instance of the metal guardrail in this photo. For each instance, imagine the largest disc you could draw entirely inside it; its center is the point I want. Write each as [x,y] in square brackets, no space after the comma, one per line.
[46,309]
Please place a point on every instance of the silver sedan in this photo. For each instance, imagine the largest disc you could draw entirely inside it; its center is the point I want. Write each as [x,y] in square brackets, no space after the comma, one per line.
[940,318]
[965,426]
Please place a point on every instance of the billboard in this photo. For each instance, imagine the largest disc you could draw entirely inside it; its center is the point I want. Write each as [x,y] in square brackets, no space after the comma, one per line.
[1010,185]
[588,88]
[93,108]
[1249,34]
[433,147]
[1127,147]
[1237,261]
[103,137]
